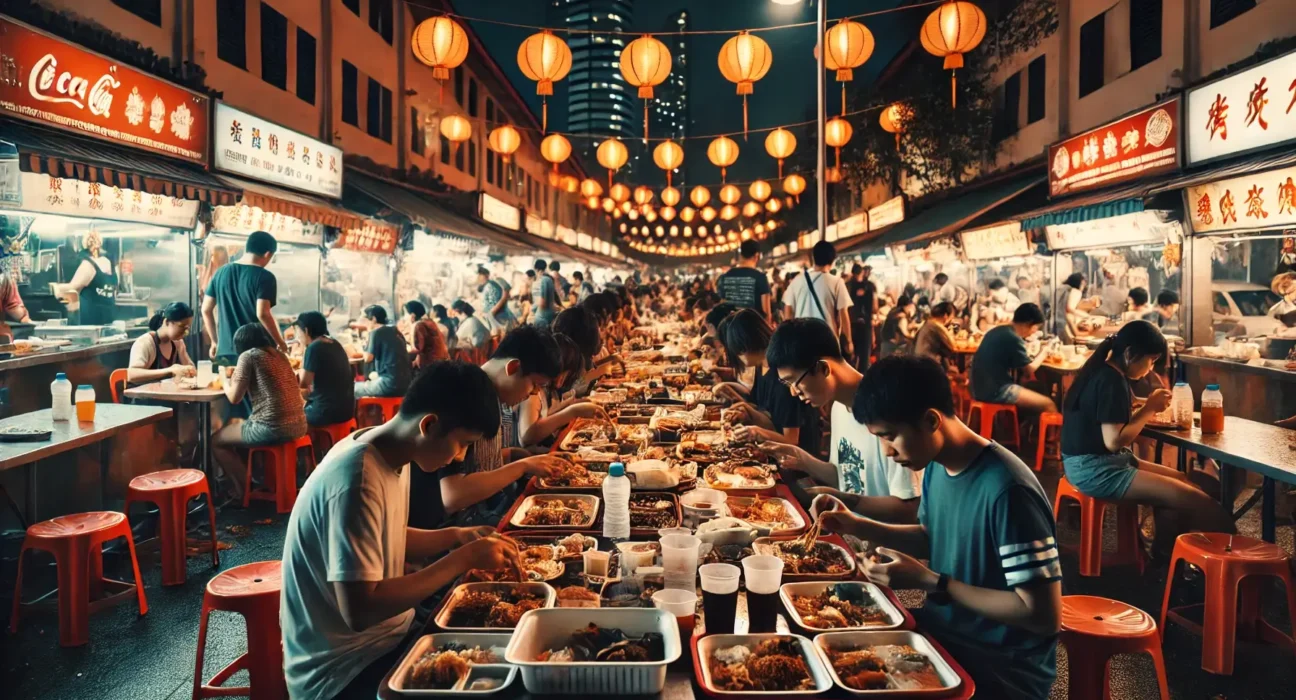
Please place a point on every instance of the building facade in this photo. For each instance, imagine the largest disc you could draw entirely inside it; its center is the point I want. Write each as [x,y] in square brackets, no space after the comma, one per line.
[599,102]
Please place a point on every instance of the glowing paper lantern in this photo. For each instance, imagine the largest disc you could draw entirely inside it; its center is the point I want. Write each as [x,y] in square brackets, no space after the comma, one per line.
[670,196]
[456,129]
[441,43]
[544,58]
[893,120]
[780,143]
[504,140]
[592,202]
[643,194]
[833,174]
[794,185]
[728,212]
[952,30]
[722,152]
[612,154]
[699,196]
[849,44]
[568,184]
[751,209]
[773,205]
[687,214]
[743,60]
[608,205]
[645,62]
[589,187]
[668,213]
[555,148]
[708,214]
[759,190]
[837,132]
[668,156]
[730,194]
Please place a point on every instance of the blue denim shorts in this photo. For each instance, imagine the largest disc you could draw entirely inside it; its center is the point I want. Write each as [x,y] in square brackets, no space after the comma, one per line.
[1105,477]
[1007,393]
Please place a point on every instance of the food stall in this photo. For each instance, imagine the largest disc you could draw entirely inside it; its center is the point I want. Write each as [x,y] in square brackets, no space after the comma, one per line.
[1005,252]
[360,271]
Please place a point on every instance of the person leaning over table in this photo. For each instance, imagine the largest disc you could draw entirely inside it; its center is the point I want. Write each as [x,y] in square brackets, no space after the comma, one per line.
[239,294]
[388,354]
[160,353]
[325,375]
[993,582]
[1002,351]
[425,336]
[899,327]
[934,340]
[769,412]
[471,333]
[495,302]
[347,603]
[543,414]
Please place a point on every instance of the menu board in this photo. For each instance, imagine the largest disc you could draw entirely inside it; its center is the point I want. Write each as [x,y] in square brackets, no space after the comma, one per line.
[67,196]
[1140,145]
[499,213]
[244,219]
[1247,202]
[250,146]
[889,212]
[1129,229]
[373,237]
[1243,112]
[1002,241]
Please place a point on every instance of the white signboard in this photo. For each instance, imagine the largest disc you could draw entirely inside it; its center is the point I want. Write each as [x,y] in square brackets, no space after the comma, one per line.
[830,233]
[1245,111]
[250,146]
[1249,202]
[852,226]
[1130,229]
[499,213]
[566,235]
[889,212]
[583,241]
[66,196]
[1002,241]
[243,219]
[533,224]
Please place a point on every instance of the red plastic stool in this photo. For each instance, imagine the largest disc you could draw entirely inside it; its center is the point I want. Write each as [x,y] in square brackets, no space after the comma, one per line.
[76,541]
[962,396]
[326,436]
[1233,566]
[1048,419]
[1095,629]
[1092,511]
[987,413]
[251,590]
[171,491]
[388,405]
[281,473]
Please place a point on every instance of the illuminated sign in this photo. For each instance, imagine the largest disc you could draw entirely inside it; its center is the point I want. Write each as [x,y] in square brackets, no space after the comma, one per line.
[1248,202]
[1140,145]
[250,146]
[1246,111]
[498,213]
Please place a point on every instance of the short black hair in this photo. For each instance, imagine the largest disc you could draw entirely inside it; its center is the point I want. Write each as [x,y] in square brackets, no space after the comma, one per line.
[578,276]
[901,389]
[903,301]
[313,322]
[540,265]
[376,313]
[823,253]
[530,273]
[483,271]
[459,393]
[1139,296]
[744,331]
[601,306]
[1029,313]
[555,266]
[175,312]
[415,308]
[463,307]
[996,283]
[261,243]
[720,312]
[940,278]
[856,269]
[251,336]
[942,310]
[749,250]
[1166,297]
[439,310]
[581,325]
[570,358]
[800,343]
[1075,280]
[534,348]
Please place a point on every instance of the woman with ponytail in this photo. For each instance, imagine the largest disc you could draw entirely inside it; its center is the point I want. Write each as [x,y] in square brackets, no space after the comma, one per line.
[160,353]
[1099,425]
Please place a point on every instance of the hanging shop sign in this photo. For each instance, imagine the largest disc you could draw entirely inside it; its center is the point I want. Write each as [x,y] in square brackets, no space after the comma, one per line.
[243,219]
[1002,241]
[583,241]
[10,176]
[852,226]
[499,213]
[373,237]
[53,82]
[830,233]
[887,213]
[1140,145]
[250,146]
[1129,229]
[566,235]
[1248,202]
[1246,111]
[67,196]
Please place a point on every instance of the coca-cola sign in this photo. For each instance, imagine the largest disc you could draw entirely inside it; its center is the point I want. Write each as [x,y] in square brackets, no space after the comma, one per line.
[48,80]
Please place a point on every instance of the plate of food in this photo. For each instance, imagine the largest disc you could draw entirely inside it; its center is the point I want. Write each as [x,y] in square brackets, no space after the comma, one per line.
[568,546]
[821,559]
[573,476]
[485,606]
[653,511]
[603,651]
[542,562]
[840,606]
[759,664]
[726,554]
[454,663]
[766,514]
[577,511]
[884,662]
[739,475]
[589,432]
[577,597]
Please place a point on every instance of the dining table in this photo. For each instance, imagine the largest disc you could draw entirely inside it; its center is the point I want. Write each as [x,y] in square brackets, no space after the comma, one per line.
[167,391]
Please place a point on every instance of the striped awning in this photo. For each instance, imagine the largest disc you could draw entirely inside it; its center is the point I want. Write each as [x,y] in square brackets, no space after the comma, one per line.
[311,210]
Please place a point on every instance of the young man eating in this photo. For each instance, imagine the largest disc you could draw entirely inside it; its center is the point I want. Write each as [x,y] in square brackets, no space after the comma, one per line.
[1003,351]
[994,583]
[347,603]
[805,354]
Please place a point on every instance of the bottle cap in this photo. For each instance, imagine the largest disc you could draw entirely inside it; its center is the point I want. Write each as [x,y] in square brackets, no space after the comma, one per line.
[1212,387]
[616,469]
[60,377]
[87,387]
[1181,383]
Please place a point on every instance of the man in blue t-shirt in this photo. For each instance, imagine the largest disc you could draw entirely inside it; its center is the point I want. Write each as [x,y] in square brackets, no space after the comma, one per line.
[994,586]
[544,297]
[242,293]
[1003,351]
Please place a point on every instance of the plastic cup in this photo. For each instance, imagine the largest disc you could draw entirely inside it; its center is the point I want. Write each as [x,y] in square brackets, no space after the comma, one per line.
[662,532]
[764,574]
[719,596]
[681,604]
[596,563]
[680,560]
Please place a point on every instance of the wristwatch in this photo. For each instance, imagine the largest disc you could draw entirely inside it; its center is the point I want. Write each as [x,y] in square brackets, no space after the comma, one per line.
[942,584]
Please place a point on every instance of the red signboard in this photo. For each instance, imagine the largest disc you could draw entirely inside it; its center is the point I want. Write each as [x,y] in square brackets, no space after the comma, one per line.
[48,80]
[1140,145]
[374,237]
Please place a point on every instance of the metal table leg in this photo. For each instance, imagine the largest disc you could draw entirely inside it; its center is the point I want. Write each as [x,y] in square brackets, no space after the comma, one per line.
[1267,515]
[1160,449]
[1226,486]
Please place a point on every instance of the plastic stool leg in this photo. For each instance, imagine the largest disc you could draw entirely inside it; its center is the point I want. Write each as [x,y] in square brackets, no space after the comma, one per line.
[286,474]
[1091,520]
[202,646]
[265,657]
[17,596]
[171,533]
[1175,558]
[1039,450]
[1250,591]
[1087,671]
[139,580]
[211,516]
[1158,662]
[247,486]
[73,562]
[1219,623]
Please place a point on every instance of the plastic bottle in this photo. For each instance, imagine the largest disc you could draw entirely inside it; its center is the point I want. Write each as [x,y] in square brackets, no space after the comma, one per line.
[616,503]
[61,395]
[1181,404]
[1212,410]
[85,402]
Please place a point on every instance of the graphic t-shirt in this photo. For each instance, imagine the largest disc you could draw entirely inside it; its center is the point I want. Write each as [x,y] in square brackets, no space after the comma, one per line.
[743,287]
[862,467]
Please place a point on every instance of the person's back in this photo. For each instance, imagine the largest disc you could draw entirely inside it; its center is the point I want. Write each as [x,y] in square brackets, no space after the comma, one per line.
[429,342]
[391,358]
[236,289]
[934,342]
[332,396]
[277,407]
[1001,351]
[472,332]
[743,287]
[830,291]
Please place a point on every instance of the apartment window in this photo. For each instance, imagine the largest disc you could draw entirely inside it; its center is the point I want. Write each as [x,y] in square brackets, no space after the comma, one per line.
[378,114]
[1145,32]
[1091,54]
[472,97]
[231,32]
[490,113]
[305,66]
[490,167]
[472,158]
[274,47]
[147,10]
[353,5]
[444,145]
[416,132]
[1036,106]
[387,118]
[380,18]
[1224,10]
[456,77]
[350,101]
[459,155]
[1007,123]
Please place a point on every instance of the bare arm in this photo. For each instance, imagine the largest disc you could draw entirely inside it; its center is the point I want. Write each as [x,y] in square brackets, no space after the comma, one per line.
[459,491]
[305,379]
[765,306]
[423,544]
[81,279]
[1034,607]
[266,316]
[209,319]
[910,538]
[844,323]
[1035,363]
[236,388]
[139,375]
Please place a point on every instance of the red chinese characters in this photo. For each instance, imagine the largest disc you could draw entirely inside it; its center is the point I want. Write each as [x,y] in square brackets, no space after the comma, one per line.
[1228,212]
[1256,102]
[1205,216]
[1287,197]
[1217,118]
[1255,205]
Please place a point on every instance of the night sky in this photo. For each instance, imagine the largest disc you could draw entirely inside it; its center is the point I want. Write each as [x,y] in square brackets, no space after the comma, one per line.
[786,94]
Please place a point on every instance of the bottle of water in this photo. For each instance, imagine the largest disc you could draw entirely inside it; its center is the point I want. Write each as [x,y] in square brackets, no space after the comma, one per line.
[1181,405]
[61,395]
[616,503]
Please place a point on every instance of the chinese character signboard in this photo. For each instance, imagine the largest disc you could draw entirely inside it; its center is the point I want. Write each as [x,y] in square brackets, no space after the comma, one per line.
[244,219]
[852,226]
[499,213]
[1249,202]
[1140,145]
[96,200]
[1003,241]
[250,146]
[889,212]
[52,82]
[373,237]
[1243,112]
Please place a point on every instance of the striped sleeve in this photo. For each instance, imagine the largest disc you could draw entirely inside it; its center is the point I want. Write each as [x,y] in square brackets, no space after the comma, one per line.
[1025,538]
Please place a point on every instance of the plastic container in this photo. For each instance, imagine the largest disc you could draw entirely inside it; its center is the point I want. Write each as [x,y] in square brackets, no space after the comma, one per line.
[1212,410]
[680,561]
[85,403]
[61,397]
[851,641]
[701,505]
[616,503]
[540,630]
[707,647]
[429,642]
[813,588]
[1181,405]
[681,604]
[204,374]
[519,515]
[442,618]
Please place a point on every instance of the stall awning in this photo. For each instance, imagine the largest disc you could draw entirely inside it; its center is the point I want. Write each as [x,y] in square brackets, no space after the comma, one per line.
[1100,205]
[311,210]
[63,154]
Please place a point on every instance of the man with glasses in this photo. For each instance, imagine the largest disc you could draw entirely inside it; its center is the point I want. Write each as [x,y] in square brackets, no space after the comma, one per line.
[805,354]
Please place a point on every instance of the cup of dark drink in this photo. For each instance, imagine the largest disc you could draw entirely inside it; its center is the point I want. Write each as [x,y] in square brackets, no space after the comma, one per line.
[681,604]
[719,596]
[764,575]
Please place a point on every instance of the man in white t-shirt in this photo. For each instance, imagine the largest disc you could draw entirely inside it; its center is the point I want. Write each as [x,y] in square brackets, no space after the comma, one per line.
[347,604]
[805,354]
[817,293]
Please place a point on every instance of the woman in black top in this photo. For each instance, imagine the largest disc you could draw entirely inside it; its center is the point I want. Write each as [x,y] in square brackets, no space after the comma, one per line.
[325,375]
[1099,425]
[770,412]
[896,333]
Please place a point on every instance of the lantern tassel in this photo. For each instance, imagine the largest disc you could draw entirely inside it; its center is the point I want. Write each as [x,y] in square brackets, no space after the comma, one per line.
[744,117]
[722,175]
[897,144]
[780,168]
[953,90]
[843,112]
[645,138]
[544,117]
[668,178]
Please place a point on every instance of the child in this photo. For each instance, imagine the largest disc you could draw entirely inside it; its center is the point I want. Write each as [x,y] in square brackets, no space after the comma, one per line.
[994,583]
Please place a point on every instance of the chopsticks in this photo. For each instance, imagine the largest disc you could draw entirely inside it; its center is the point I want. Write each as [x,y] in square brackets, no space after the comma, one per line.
[808,540]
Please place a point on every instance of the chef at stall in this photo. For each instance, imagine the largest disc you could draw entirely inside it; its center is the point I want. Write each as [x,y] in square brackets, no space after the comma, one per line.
[94,283]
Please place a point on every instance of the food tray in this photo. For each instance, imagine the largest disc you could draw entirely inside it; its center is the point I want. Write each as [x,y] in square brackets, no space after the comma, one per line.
[879,596]
[944,665]
[520,512]
[674,510]
[763,546]
[761,487]
[763,530]
[396,681]
[704,647]
[539,630]
[567,443]
[443,615]
[562,566]
[591,543]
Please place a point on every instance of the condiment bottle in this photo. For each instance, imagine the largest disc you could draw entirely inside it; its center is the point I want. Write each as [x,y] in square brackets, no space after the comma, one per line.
[1181,405]
[1212,410]
[61,396]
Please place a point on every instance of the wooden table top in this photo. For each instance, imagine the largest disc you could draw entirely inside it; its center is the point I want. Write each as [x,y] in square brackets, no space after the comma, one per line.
[1259,447]
[110,419]
[166,390]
